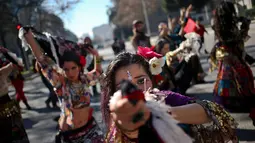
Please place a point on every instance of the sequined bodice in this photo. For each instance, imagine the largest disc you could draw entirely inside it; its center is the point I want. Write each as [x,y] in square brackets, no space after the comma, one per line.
[80,95]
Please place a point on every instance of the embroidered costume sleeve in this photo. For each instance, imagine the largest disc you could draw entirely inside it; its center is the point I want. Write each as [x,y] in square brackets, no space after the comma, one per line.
[52,72]
[223,125]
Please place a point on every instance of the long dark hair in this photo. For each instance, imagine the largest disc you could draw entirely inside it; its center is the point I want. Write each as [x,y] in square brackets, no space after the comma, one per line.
[108,85]
[226,28]
[227,31]
[160,45]
[70,56]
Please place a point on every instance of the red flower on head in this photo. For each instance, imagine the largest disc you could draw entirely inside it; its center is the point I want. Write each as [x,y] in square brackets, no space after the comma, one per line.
[148,53]
[82,61]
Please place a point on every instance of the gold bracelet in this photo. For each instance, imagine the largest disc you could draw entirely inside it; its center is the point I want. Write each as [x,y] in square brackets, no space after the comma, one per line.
[98,61]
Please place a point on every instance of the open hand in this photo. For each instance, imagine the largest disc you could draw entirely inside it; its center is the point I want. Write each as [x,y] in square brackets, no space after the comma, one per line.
[123,112]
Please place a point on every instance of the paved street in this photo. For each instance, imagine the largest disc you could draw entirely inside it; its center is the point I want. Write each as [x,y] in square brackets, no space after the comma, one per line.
[41,127]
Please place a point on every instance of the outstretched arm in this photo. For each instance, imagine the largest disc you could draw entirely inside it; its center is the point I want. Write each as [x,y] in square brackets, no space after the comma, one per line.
[189,9]
[49,68]
[96,73]
[182,110]
[190,114]
[33,45]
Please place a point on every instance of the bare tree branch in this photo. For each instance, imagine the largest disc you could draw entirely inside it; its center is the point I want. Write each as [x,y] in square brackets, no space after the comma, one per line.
[125,11]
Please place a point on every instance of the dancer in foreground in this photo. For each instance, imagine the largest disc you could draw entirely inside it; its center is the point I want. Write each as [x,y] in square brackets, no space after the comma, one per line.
[190,113]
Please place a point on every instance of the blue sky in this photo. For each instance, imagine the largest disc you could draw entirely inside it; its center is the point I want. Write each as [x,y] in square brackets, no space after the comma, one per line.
[86,15]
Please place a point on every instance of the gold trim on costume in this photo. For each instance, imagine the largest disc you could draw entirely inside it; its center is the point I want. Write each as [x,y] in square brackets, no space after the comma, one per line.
[9,109]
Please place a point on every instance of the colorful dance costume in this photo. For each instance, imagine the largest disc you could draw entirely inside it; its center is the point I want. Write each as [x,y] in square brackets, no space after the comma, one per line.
[12,129]
[73,95]
[234,88]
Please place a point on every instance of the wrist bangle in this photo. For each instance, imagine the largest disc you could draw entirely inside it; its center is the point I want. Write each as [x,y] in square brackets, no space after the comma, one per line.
[98,61]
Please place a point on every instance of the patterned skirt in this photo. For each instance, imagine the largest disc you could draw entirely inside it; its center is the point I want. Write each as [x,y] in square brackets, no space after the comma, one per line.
[12,128]
[89,133]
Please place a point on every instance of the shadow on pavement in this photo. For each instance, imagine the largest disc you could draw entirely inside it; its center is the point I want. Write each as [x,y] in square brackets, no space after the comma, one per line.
[29,123]
[40,98]
[46,110]
[210,81]
[246,134]
[33,92]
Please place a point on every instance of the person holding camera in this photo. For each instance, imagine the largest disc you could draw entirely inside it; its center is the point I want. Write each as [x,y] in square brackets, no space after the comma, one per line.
[90,63]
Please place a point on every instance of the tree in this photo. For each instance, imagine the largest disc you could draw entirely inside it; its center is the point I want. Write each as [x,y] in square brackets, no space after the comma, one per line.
[13,11]
[10,12]
[174,5]
[124,12]
[59,6]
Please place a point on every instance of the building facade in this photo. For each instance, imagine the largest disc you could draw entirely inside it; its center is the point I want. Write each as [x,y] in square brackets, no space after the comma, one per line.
[103,33]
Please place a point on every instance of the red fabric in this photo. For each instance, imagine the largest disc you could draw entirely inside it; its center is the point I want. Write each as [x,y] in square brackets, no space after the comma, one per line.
[136,95]
[158,78]
[82,61]
[18,85]
[225,92]
[190,26]
[148,53]
[252,114]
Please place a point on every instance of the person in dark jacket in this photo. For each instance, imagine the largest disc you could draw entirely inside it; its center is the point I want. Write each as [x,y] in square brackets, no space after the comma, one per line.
[118,46]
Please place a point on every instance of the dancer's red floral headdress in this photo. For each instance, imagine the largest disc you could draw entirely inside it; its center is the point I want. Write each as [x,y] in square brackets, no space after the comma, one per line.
[155,60]
[148,53]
